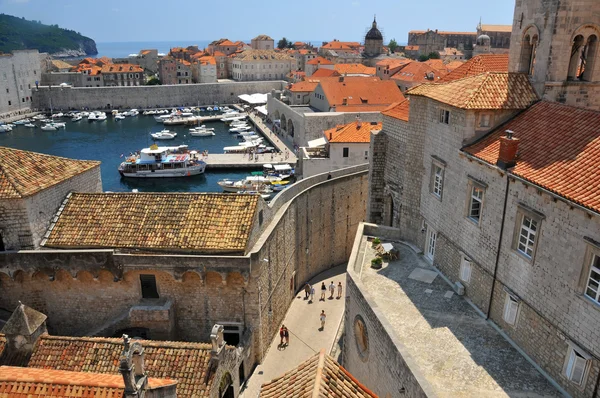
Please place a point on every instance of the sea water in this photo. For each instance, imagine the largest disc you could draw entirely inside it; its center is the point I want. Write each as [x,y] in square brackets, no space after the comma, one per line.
[111,141]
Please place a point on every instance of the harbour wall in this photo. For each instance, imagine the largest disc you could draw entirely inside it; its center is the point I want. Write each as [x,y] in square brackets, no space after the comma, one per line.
[143,97]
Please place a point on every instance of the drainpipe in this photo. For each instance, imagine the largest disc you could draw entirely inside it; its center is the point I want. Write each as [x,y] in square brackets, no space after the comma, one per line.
[487,315]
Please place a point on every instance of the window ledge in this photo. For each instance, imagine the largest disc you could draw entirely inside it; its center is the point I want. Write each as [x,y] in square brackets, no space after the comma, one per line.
[524,256]
[589,301]
[435,195]
[472,221]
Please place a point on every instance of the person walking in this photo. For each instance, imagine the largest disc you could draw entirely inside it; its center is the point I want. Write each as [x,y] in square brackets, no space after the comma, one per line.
[286,335]
[281,334]
[331,290]
[322,318]
[323,291]
[339,296]
[312,294]
[306,291]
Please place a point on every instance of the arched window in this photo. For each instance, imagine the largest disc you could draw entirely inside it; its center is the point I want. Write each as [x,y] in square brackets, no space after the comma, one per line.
[528,48]
[584,51]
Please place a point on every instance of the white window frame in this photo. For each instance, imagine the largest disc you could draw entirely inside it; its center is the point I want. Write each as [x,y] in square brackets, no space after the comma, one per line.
[577,365]
[474,198]
[591,279]
[465,270]
[437,179]
[444,116]
[526,238]
[512,305]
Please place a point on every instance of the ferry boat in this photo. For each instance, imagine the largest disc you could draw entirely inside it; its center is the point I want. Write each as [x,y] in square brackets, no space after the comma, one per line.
[158,161]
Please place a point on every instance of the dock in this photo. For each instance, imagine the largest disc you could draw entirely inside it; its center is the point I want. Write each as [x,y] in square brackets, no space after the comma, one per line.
[246,161]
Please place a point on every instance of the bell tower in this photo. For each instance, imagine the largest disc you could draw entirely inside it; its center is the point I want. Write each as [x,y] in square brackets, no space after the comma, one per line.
[556,43]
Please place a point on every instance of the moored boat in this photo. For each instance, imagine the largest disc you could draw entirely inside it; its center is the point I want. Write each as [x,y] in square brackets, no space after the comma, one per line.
[164,135]
[155,162]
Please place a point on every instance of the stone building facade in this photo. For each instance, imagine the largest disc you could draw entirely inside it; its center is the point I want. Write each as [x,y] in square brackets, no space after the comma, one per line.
[262,42]
[19,72]
[261,65]
[501,226]
[562,53]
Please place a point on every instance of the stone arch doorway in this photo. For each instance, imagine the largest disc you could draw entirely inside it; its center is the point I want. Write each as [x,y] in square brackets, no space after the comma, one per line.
[388,211]
[226,386]
[290,127]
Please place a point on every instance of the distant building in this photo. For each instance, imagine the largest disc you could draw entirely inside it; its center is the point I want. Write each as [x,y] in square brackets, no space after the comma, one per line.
[19,72]
[175,71]
[204,69]
[373,42]
[261,65]
[123,75]
[354,70]
[224,46]
[415,73]
[388,67]
[317,63]
[263,42]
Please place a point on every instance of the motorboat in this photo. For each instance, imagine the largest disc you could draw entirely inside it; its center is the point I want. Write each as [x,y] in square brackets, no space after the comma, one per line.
[30,125]
[162,117]
[22,122]
[58,125]
[119,116]
[100,116]
[92,117]
[209,109]
[159,161]
[252,183]
[201,133]
[150,112]
[233,118]
[203,127]
[76,118]
[239,129]
[5,128]
[132,112]
[282,171]
[39,117]
[57,115]
[164,135]
[49,127]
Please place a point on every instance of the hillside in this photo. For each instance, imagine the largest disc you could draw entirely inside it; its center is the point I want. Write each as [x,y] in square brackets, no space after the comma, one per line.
[20,34]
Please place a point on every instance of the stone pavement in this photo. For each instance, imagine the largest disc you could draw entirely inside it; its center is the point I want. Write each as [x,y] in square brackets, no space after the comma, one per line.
[302,321]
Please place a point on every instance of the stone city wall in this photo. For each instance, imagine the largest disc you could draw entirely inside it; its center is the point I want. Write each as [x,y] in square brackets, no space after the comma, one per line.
[148,96]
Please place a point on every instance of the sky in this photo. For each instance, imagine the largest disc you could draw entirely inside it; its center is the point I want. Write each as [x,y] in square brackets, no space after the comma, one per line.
[154,20]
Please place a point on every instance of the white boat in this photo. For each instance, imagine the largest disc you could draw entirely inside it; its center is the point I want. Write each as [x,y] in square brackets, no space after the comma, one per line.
[240,129]
[233,118]
[158,161]
[162,118]
[5,128]
[252,183]
[76,118]
[100,116]
[203,127]
[202,133]
[39,117]
[281,171]
[92,117]
[30,125]
[164,135]
[57,115]
[119,116]
[22,122]
[58,125]
[208,108]
[49,127]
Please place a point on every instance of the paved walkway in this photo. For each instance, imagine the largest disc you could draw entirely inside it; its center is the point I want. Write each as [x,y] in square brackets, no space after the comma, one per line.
[302,320]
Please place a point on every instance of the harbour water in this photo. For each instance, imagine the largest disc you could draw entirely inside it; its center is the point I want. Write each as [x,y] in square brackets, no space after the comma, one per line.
[106,141]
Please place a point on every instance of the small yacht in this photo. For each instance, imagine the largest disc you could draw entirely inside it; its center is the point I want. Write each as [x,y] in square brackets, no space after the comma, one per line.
[91,117]
[252,183]
[49,127]
[201,133]
[100,116]
[158,161]
[119,116]
[164,135]
[30,125]
[76,118]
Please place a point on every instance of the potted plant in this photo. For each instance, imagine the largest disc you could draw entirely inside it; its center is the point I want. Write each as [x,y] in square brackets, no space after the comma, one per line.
[376,242]
[376,263]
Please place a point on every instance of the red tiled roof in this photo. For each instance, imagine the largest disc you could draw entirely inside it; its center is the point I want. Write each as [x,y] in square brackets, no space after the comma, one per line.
[439,32]
[354,69]
[411,48]
[360,91]
[319,376]
[559,150]
[352,132]
[24,173]
[18,382]
[305,86]
[398,110]
[208,60]
[452,65]
[227,43]
[319,61]
[185,362]
[324,72]
[122,68]
[418,72]
[484,91]
[393,62]
[479,64]
[219,54]
[337,45]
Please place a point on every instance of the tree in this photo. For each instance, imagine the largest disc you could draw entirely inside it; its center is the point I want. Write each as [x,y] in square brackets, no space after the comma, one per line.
[393,45]
[434,55]
[153,81]
[283,43]
[423,58]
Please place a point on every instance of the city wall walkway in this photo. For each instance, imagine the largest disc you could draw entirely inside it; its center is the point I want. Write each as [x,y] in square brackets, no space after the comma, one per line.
[302,321]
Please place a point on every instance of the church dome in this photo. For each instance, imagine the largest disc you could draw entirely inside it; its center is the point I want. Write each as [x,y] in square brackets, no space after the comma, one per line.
[483,40]
[374,33]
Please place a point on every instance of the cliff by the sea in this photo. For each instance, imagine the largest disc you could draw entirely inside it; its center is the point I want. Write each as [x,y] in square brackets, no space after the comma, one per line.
[21,34]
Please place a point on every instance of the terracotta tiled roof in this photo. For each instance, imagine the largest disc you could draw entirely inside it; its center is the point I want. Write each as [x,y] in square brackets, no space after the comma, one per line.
[24,173]
[17,382]
[411,48]
[393,62]
[305,86]
[496,28]
[484,91]
[354,69]
[361,108]
[227,43]
[323,72]
[355,132]
[262,37]
[208,60]
[320,376]
[61,64]
[187,222]
[185,362]
[122,68]
[219,54]
[418,72]
[319,61]
[559,150]
[336,45]
[450,66]
[479,64]
[398,110]
[360,91]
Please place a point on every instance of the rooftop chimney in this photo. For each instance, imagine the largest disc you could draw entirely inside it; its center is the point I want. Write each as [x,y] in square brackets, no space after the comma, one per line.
[131,367]
[507,157]
[22,330]
[358,122]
